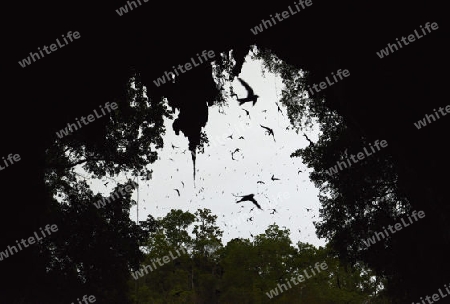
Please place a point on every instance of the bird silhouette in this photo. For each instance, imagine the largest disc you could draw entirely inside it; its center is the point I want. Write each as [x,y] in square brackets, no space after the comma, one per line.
[279,110]
[269,131]
[231,136]
[274,178]
[250,94]
[299,171]
[232,153]
[178,191]
[241,137]
[264,111]
[182,183]
[246,112]
[173,147]
[273,212]
[249,198]
[260,182]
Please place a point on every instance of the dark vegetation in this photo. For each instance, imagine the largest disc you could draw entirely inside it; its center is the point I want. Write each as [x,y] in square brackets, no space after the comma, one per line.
[94,251]
[244,270]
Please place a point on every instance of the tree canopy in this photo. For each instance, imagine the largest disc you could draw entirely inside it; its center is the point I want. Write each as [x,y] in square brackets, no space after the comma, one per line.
[116,60]
[246,270]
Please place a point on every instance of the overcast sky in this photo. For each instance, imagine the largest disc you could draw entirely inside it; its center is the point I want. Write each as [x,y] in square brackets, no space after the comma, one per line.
[219,177]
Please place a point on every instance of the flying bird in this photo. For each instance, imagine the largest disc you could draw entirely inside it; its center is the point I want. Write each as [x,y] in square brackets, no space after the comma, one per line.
[273,212]
[241,137]
[250,94]
[231,136]
[269,131]
[232,153]
[264,111]
[249,198]
[178,191]
[279,110]
[299,171]
[260,182]
[246,112]
[173,147]
[182,183]
[274,178]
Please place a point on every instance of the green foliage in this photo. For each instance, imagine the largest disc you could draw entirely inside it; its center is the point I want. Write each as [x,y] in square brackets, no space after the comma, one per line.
[95,248]
[245,270]
[127,140]
[303,110]
[357,201]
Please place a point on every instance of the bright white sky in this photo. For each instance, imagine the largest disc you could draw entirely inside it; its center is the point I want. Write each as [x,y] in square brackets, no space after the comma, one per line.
[218,177]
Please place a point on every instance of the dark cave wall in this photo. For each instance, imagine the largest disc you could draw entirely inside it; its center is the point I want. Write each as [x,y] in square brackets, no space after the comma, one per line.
[382,97]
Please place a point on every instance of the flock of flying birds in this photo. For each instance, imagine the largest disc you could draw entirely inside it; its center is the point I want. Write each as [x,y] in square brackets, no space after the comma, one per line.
[251,97]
